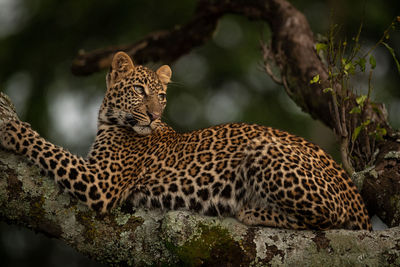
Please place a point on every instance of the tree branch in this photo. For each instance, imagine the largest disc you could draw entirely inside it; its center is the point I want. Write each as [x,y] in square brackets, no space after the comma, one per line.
[166,46]
[152,238]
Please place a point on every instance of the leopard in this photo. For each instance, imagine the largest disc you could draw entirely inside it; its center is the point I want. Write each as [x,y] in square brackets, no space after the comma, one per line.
[259,175]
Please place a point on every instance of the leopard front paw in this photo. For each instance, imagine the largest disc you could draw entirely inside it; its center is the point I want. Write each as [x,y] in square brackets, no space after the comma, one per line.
[154,125]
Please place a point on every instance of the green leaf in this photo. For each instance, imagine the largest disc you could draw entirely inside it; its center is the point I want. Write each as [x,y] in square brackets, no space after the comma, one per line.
[393,55]
[355,110]
[334,75]
[349,68]
[379,133]
[320,46]
[372,61]
[356,133]
[383,131]
[361,62]
[358,129]
[315,79]
[366,123]
[326,90]
[361,99]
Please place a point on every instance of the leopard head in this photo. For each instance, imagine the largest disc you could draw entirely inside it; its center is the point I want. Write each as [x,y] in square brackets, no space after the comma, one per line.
[136,95]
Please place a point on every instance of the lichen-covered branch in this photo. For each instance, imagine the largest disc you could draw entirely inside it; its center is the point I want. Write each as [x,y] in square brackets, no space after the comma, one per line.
[152,238]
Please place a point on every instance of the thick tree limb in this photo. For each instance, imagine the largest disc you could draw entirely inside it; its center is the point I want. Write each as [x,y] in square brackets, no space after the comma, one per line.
[151,238]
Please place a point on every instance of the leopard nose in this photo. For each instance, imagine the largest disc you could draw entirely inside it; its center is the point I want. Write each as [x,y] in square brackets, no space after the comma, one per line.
[154,115]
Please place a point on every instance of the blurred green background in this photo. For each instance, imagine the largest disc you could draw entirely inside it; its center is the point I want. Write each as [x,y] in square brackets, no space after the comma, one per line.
[222,81]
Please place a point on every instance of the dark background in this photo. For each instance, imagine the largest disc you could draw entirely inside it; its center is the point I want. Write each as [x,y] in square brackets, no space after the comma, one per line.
[222,81]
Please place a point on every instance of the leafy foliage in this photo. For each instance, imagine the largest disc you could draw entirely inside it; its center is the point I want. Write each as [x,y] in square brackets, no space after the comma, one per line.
[345,60]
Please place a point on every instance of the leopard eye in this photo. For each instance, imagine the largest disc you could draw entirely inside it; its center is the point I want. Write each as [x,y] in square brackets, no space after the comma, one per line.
[139,89]
[161,97]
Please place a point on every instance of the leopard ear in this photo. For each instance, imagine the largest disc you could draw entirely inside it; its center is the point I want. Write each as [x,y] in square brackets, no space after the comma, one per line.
[164,74]
[121,66]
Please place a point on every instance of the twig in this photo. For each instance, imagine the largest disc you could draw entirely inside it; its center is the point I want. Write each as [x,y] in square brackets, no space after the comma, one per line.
[344,144]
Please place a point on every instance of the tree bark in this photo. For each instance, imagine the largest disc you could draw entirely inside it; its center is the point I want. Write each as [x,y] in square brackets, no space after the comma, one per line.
[177,237]
[371,161]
